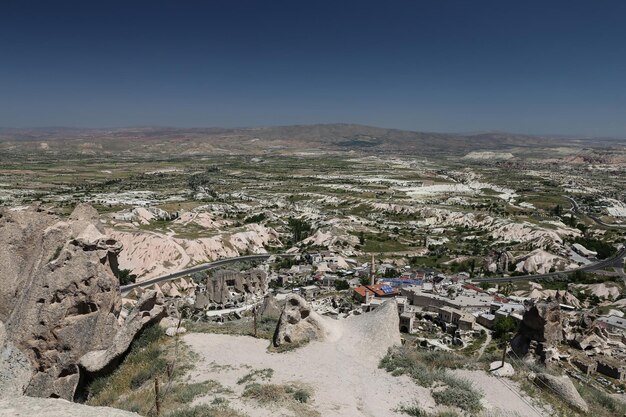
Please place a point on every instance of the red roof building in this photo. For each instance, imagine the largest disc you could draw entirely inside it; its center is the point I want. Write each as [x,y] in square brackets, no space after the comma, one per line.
[378,290]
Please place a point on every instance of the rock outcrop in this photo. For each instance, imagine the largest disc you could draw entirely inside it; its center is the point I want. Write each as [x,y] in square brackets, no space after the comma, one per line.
[49,407]
[59,297]
[585,333]
[148,310]
[227,286]
[562,387]
[498,262]
[539,331]
[15,369]
[370,335]
[269,308]
[299,324]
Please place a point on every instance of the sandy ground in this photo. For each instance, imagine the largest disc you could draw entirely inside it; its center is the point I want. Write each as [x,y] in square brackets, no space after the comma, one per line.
[342,371]
[342,385]
[346,380]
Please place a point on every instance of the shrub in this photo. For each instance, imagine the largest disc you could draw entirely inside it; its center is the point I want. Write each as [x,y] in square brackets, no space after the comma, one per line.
[264,374]
[271,393]
[456,396]
[149,371]
[125,277]
[427,368]
[503,326]
[341,284]
[265,393]
[185,393]
[301,395]
[413,410]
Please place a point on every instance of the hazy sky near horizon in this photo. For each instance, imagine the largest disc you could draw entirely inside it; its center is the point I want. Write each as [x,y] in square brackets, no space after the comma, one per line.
[522,66]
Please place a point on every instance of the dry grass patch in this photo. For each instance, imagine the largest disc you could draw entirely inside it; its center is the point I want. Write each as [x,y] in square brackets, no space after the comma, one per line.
[295,397]
[131,386]
[428,369]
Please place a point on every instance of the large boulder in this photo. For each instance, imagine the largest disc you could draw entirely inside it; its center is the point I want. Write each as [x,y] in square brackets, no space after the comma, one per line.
[270,308]
[299,324]
[59,296]
[149,309]
[370,335]
[540,328]
[48,407]
[562,387]
[15,368]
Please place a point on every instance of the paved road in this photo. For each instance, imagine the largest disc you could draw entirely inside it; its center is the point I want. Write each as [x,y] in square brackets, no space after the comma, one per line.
[576,209]
[199,268]
[615,260]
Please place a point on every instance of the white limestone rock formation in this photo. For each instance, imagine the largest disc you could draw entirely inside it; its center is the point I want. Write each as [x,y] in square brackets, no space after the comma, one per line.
[299,324]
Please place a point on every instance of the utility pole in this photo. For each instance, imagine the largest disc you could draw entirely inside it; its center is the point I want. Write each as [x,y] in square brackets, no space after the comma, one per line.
[254,311]
[157,398]
[504,343]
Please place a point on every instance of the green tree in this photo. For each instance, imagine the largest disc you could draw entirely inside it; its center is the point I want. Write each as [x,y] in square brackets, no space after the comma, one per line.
[503,327]
[364,280]
[341,284]
[390,273]
[125,277]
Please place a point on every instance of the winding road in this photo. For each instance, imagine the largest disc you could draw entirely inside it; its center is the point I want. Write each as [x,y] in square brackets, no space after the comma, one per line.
[125,289]
[576,209]
[616,260]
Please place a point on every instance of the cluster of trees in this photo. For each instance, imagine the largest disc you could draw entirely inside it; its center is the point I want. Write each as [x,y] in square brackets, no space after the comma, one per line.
[300,229]
[605,250]
[255,218]
[125,276]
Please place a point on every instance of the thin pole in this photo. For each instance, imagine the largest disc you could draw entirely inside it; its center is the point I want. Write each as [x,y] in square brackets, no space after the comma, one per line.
[503,352]
[157,397]
[255,326]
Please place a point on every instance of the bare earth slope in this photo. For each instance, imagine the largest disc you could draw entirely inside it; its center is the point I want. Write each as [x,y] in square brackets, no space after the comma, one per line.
[341,370]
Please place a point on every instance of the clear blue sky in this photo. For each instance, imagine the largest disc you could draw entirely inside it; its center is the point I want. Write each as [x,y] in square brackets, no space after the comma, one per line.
[441,65]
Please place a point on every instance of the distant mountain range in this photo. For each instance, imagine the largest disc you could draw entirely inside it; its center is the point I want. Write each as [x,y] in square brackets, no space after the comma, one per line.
[281,139]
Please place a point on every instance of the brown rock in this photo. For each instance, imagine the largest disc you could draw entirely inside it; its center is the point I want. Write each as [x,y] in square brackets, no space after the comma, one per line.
[541,324]
[59,296]
[48,407]
[298,323]
[149,309]
[269,308]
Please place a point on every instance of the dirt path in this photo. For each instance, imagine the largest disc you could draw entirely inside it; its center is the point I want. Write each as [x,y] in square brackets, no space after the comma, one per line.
[481,351]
